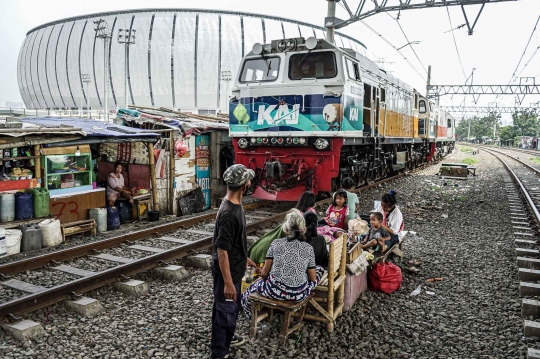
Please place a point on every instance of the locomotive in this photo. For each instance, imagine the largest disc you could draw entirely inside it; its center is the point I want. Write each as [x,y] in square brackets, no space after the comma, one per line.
[304,114]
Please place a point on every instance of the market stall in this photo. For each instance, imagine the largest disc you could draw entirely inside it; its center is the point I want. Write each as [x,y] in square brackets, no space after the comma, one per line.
[70,168]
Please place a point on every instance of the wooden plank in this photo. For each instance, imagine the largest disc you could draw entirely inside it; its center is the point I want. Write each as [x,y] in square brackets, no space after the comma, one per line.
[112,258]
[147,249]
[75,207]
[23,286]
[65,150]
[73,270]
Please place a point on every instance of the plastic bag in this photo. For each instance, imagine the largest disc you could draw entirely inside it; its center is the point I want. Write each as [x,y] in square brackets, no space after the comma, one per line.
[358,226]
[180,148]
[385,277]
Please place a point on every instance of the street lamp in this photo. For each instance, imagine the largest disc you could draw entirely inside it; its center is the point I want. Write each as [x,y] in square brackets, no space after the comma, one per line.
[126,37]
[85,79]
[226,76]
[103,32]
[409,43]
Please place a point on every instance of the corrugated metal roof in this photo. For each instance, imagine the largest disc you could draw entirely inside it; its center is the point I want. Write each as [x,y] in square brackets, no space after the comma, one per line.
[90,128]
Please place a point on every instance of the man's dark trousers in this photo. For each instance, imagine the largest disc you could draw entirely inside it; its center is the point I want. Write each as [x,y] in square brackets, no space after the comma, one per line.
[224,316]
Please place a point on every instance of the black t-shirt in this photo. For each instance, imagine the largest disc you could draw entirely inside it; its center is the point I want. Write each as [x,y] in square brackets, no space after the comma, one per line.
[230,235]
[321,252]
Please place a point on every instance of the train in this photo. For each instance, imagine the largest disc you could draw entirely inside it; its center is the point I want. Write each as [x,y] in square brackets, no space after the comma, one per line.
[304,114]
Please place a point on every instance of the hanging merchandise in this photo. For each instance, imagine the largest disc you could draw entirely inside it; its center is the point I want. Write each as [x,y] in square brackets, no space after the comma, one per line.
[180,148]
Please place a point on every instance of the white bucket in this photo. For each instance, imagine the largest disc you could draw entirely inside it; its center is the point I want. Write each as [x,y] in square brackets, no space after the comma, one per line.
[100,216]
[13,241]
[52,234]
[3,251]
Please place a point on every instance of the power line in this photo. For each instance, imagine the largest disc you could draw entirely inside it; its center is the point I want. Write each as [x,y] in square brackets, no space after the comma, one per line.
[523,54]
[455,43]
[391,45]
[407,39]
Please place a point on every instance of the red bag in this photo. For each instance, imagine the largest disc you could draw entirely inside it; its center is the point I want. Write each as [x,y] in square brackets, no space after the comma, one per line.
[385,277]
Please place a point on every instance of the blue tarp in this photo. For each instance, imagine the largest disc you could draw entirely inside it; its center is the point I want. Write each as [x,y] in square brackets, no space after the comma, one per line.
[92,128]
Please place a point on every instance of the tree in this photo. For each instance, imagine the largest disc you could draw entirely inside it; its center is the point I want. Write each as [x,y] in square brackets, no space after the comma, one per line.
[526,122]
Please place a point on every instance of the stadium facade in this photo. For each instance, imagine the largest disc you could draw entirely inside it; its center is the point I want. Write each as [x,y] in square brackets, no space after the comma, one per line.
[176,61]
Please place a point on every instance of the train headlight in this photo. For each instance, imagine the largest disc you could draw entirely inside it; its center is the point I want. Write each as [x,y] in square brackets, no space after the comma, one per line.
[321,143]
[274,140]
[289,140]
[280,141]
[265,140]
[295,140]
[259,140]
[302,141]
[243,143]
[253,140]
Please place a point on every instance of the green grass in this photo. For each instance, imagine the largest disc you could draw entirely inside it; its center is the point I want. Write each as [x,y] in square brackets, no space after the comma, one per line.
[465,149]
[535,159]
[469,161]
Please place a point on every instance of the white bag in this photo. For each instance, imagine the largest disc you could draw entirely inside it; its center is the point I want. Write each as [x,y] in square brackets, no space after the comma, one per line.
[358,226]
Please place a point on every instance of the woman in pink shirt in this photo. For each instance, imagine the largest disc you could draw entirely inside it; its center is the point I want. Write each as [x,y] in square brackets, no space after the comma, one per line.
[116,186]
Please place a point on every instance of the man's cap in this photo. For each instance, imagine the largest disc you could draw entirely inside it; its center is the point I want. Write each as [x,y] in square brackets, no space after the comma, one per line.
[238,175]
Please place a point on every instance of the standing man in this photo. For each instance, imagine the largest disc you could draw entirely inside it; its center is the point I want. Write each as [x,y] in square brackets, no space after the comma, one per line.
[229,261]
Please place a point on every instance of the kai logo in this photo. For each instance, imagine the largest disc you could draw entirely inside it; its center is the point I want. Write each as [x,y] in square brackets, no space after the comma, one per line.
[281,116]
[354,114]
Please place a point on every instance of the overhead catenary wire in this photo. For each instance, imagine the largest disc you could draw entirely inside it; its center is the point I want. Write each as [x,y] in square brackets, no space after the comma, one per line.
[455,43]
[391,45]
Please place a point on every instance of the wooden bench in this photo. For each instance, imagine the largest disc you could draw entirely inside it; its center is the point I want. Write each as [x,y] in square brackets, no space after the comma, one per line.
[397,249]
[145,199]
[69,229]
[262,307]
[332,281]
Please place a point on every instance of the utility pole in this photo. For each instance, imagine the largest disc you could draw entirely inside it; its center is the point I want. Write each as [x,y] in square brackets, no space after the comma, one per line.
[469,132]
[428,80]
[226,77]
[126,37]
[85,78]
[329,21]
[103,32]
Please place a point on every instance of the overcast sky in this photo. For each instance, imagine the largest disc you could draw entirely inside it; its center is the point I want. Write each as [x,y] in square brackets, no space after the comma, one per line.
[494,50]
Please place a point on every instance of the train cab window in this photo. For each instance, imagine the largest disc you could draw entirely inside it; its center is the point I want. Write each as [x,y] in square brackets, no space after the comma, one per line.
[383,95]
[319,65]
[449,123]
[260,70]
[422,106]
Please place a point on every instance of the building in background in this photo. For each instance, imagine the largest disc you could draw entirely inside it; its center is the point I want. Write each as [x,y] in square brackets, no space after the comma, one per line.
[177,60]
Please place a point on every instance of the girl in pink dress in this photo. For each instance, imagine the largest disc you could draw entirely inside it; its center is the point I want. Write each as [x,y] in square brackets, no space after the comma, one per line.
[335,221]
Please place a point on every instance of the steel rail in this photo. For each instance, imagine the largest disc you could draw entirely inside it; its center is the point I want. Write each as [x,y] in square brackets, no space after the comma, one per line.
[535,170]
[67,290]
[64,291]
[519,183]
[22,265]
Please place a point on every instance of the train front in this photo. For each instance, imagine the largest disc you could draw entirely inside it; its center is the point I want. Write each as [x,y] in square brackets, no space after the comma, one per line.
[285,117]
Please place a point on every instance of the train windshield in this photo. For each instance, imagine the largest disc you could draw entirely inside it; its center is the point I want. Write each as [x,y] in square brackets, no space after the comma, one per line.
[318,65]
[262,69]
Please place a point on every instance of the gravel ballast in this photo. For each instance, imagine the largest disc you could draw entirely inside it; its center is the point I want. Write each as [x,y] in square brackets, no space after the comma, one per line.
[463,235]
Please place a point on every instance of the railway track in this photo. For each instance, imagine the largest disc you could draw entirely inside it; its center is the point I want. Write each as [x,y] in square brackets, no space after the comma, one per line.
[524,199]
[157,255]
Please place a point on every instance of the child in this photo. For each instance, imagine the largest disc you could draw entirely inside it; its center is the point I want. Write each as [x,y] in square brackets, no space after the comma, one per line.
[377,237]
[306,202]
[337,212]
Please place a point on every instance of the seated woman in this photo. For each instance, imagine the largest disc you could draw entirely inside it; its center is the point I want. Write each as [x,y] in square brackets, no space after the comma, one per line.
[392,217]
[289,271]
[306,202]
[116,186]
[316,240]
[257,252]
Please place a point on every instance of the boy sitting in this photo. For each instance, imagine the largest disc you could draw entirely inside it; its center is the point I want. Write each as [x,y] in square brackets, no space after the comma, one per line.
[377,238]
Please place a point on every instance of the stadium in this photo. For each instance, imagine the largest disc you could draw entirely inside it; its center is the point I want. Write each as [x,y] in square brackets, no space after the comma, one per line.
[177,59]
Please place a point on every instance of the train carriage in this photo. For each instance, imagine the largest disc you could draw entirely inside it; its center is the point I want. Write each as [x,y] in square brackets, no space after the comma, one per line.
[304,114]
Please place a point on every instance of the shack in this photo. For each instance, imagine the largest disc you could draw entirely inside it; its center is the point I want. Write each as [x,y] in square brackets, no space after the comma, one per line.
[67,161]
[201,151]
